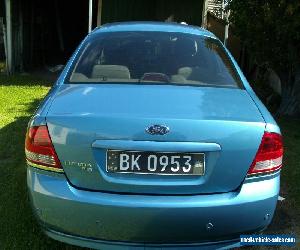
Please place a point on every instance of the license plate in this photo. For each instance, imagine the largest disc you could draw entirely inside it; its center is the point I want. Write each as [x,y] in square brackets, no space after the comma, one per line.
[136,162]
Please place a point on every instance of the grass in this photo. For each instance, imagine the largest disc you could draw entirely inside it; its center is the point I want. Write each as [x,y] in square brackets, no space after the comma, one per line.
[291,173]
[19,97]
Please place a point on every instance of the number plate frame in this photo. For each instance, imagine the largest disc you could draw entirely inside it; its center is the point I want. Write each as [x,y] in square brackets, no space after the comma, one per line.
[196,170]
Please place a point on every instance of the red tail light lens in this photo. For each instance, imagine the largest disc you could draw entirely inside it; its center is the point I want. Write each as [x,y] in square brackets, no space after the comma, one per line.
[269,155]
[39,149]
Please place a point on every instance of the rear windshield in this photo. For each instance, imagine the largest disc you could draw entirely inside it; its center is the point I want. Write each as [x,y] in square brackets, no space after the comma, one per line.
[154,57]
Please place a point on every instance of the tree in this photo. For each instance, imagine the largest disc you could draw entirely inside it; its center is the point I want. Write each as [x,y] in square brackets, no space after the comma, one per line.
[270,30]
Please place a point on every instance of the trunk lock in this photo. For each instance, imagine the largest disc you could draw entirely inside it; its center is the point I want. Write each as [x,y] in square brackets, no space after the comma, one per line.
[209,226]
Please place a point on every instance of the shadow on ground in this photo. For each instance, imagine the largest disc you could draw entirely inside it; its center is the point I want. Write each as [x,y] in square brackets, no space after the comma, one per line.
[19,229]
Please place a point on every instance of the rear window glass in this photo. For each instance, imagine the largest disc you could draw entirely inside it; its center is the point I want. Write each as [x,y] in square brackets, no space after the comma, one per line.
[154,57]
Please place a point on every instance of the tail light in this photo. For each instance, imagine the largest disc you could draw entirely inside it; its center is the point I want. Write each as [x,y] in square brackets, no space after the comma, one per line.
[39,149]
[269,155]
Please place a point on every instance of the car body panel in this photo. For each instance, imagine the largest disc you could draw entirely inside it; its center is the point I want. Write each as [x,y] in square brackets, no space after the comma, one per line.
[151,219]
[83,114]
[117,245]
[153,26]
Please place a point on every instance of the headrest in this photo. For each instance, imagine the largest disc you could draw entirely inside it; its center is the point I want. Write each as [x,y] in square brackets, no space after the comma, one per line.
[185,72]
[111,71]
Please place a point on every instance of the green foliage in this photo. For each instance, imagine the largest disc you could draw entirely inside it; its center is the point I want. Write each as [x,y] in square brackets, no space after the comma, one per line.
[19,97]
[2,67]
[270,30]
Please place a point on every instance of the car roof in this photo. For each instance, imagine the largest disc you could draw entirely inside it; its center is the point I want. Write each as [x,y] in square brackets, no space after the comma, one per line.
[152,26]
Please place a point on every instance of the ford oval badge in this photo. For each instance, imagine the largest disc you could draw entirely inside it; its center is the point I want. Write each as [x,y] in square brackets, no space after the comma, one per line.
[157,129]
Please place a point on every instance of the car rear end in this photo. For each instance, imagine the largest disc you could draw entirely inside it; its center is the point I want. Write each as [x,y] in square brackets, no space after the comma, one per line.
[120,156]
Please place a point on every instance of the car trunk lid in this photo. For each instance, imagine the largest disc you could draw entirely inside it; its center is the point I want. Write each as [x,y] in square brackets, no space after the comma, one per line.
[85,120]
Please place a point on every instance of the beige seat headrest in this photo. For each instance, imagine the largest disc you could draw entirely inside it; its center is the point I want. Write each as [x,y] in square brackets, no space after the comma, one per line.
[185,71]
[111,71]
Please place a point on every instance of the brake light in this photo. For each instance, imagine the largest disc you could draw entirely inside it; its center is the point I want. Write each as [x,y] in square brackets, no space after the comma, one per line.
[269,155]
[39,149]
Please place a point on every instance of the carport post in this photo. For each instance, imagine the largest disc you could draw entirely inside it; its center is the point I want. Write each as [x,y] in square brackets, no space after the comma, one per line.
[226,32]
[90,15]
[8,36]
[99,13]
[204,14]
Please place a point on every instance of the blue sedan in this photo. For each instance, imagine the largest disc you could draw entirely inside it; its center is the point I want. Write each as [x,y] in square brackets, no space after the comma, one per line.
[152,137]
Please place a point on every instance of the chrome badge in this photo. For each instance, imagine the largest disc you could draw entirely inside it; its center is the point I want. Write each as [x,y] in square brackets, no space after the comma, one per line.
[157,130]
[85,166]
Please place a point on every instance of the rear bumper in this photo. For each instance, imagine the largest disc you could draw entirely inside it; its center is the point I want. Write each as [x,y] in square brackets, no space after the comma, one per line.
[115,245]
[95,219]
